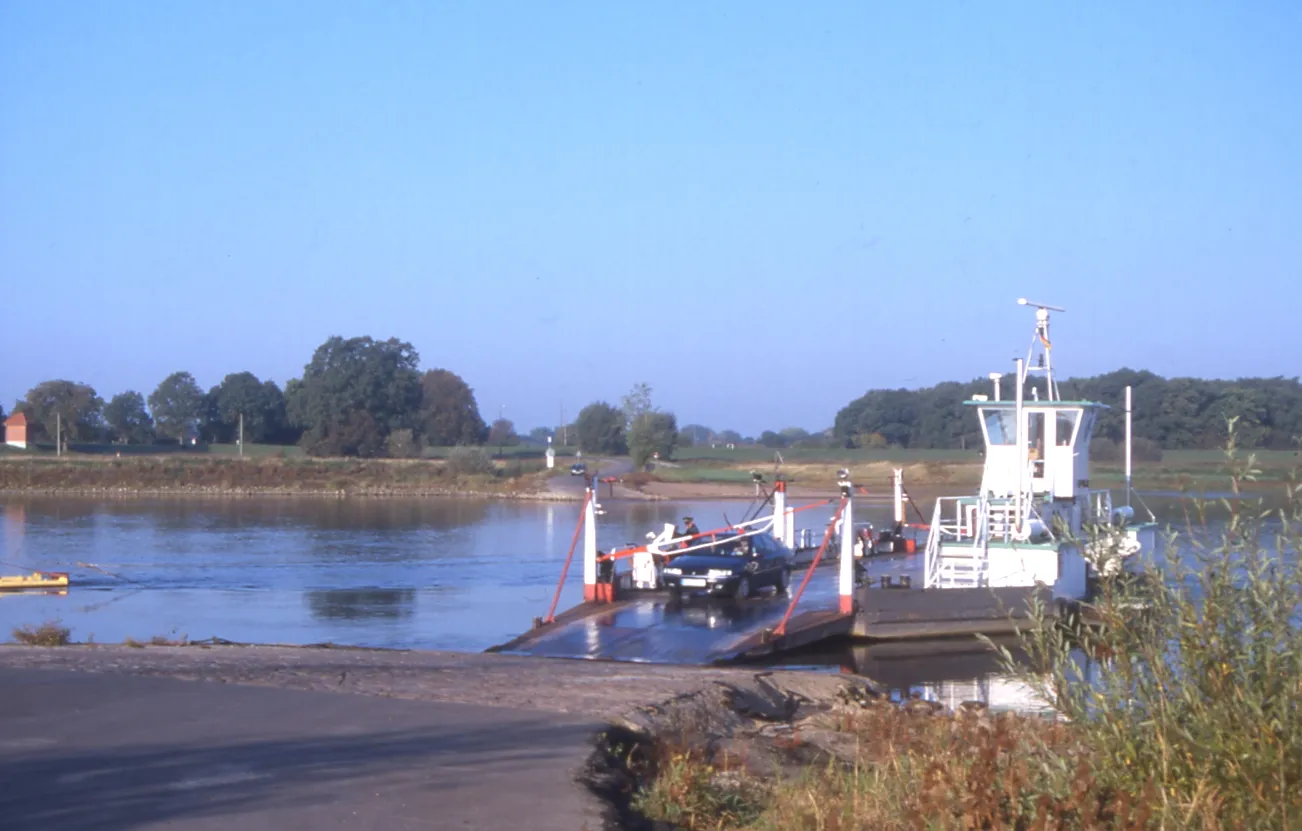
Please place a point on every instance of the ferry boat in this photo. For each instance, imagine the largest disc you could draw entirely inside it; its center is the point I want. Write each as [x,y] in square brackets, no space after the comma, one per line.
[1036,520]
[35,580]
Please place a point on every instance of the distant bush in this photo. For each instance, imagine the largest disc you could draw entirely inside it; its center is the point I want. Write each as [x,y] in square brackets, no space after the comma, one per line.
[401,444]
[1141,450]
[470,461]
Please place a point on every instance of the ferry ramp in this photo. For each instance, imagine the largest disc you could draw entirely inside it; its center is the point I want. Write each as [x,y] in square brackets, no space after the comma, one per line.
[651,627]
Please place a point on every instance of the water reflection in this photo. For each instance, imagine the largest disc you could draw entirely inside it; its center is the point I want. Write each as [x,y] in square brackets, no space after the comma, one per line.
[949,671]
[362,604]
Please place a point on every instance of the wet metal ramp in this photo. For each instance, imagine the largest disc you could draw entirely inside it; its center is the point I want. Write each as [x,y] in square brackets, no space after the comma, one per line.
[652,628]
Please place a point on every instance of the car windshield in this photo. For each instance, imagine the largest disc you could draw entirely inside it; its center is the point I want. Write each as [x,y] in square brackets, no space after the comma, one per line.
[732,548]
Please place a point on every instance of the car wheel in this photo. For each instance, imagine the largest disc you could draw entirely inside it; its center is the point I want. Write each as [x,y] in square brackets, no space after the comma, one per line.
[784,577]
[743,587]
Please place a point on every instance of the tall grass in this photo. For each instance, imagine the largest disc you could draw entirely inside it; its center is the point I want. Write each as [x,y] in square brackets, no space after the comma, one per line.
[1198,694]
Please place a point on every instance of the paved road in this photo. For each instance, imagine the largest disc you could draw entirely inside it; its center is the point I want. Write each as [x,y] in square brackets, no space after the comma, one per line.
[100,751]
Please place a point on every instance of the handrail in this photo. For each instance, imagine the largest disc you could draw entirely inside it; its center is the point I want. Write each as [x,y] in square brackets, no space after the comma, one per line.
[781,628]
[657,546]
[578,526]
[931,562]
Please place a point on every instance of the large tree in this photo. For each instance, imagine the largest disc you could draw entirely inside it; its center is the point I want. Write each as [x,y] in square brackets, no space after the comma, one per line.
[448,412]
[600,429]
[261,403]
[128,420]
[353,394]
[67,406]
[653,434]
[177,405]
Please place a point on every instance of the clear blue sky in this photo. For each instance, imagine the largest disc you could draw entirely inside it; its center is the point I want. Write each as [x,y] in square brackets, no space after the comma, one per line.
[760,209]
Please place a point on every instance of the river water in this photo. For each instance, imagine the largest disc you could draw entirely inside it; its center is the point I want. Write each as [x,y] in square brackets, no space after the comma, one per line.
[421,574]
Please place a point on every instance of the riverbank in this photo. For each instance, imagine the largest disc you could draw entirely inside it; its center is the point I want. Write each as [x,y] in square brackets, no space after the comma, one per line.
[692,747]
[177,475]
[513,478]
[773,721]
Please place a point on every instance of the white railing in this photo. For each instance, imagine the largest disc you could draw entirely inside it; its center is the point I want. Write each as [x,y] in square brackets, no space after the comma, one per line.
[658,544]
[970,522]
[931,559]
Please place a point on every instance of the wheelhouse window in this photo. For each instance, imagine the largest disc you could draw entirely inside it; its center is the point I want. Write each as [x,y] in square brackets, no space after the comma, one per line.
[1001,426]
[1065,428]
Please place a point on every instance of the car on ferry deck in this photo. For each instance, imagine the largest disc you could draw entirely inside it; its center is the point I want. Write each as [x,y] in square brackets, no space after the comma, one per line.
[736,565]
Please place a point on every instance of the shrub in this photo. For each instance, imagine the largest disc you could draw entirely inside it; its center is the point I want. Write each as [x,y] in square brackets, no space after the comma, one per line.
[49,633]
[470,461]
[402,444]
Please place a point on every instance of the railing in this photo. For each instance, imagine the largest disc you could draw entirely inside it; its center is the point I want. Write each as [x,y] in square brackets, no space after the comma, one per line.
[971,524]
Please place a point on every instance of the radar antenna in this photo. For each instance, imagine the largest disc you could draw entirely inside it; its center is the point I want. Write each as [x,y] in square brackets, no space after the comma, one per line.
[1041,348]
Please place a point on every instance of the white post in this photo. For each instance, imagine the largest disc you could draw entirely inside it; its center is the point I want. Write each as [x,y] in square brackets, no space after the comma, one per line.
[847,549]
[590,545]
[1127,446]
[780,512]
[898,477]
[789,528]
[1020,432]
[58,434]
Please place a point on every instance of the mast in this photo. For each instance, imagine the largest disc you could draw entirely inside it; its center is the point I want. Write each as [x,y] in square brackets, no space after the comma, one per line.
[1041,339]
[1127,445]
[1020,433]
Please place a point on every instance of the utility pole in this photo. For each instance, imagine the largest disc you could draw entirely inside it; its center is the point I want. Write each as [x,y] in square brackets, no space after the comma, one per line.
[241,434]
[58,434]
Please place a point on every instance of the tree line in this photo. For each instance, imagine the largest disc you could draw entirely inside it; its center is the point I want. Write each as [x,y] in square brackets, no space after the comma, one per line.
[1170,413]
[356,397]
[365,397]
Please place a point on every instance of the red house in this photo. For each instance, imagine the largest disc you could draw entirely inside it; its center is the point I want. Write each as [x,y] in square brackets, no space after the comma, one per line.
[16,430]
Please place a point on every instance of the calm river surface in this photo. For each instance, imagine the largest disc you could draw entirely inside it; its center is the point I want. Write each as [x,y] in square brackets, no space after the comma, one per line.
[422,574]
[427,574]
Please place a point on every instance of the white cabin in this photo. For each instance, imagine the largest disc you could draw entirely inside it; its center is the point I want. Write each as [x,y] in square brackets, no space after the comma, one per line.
[1035,505]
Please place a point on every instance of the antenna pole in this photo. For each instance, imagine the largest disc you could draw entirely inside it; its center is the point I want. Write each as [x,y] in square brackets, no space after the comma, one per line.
[1128,445]
[1020,433]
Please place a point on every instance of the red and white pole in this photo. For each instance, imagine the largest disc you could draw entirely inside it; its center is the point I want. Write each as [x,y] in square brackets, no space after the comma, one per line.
[590,544]
[847,545]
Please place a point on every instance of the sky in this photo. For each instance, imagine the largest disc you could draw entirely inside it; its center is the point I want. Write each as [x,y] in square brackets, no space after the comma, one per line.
[759,209]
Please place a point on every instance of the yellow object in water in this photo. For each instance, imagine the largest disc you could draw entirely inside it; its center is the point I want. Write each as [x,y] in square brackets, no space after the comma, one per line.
[35,580]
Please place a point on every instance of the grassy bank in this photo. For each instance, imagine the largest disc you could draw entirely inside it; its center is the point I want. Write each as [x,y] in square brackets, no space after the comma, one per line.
[1190,470]
[213,474]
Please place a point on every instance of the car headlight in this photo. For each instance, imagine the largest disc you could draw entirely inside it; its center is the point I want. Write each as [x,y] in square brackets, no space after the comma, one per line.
[673,571]
[720,572]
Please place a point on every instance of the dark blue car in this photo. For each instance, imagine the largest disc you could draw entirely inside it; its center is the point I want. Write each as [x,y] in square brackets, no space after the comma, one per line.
[734,566]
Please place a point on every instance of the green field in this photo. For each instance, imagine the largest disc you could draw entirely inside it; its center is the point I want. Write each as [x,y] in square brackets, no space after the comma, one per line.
[793,455]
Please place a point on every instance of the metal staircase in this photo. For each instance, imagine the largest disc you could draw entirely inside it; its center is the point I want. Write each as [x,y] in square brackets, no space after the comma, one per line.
[956,555]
